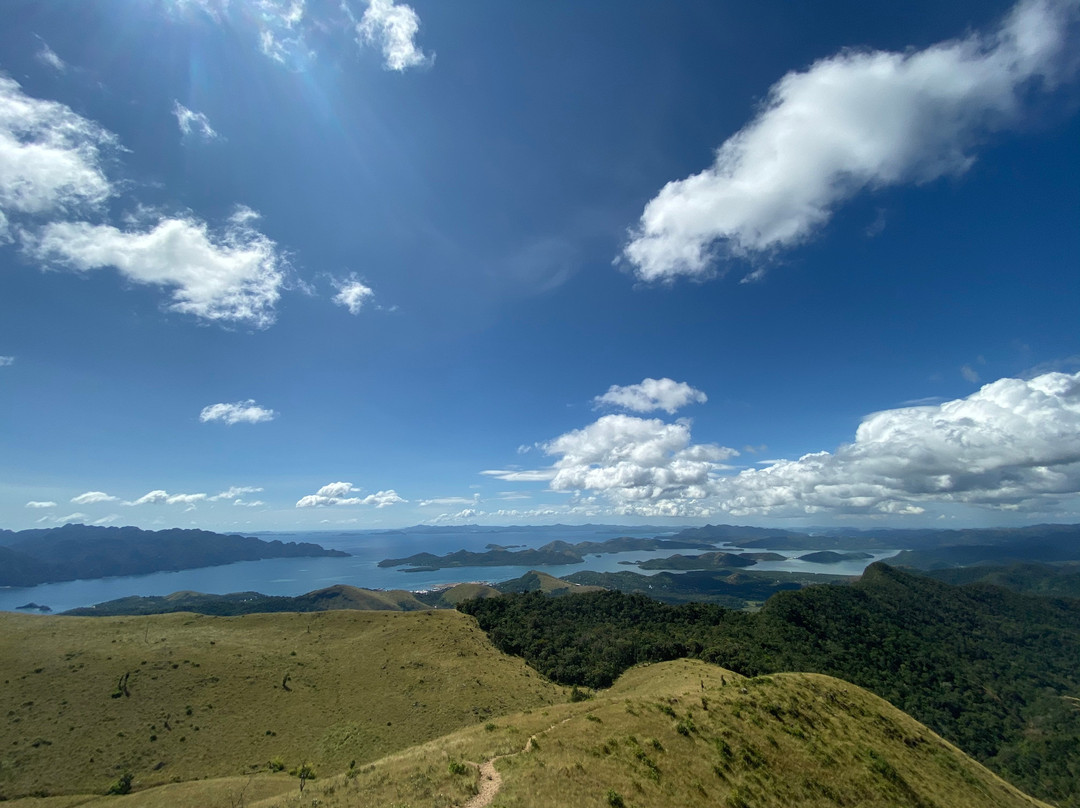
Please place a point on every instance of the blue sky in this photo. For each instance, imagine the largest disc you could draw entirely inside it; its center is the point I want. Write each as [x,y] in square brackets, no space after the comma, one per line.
[275,264]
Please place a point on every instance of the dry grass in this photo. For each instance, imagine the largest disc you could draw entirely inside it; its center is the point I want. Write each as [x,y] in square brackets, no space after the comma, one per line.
[677,733]
[207,697]
[688,734]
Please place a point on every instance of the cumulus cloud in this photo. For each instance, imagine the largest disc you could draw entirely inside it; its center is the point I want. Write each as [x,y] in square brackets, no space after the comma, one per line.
[855,121]
[1013,443]
[392,27]
[193,123]
[342,493]
[652,394]
[40,504]
[239,412]
[352,294]
[632,459]
[234,275]
[50,157]
[91,497]
[48,57]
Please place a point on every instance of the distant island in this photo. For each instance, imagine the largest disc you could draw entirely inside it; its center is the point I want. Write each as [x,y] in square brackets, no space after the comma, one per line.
[705,561]
[74,552]
[552,554]
[829,557]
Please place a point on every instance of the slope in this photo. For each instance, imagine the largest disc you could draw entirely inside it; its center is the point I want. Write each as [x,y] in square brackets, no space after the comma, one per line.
[178,697]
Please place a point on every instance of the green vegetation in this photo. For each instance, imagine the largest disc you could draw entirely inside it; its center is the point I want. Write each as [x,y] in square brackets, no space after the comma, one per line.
[1055,581]
[31,557]
[735,590]
[988,669]
[225,695]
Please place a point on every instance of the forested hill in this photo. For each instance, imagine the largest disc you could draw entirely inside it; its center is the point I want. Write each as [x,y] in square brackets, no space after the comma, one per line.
[991,670]
[67,553]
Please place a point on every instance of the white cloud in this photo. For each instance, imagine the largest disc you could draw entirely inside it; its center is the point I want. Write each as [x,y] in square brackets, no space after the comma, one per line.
[47,56]
[633,460]
[339,494]
[855,121]
[185,499]
[1014,443]
[236,491]
[239,412]
[232,276]
[50,157]
[652,394]
[160,497]
[37,504]
[71,517]
[91,497]
[157,497]
[106,520]
[393,27]
[970,374]
[193,122]
[352,294]
[5,361]
[520,475]
[449,501]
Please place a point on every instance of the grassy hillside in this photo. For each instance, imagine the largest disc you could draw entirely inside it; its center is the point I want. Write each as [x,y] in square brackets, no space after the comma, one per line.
[678,733]
[178,697]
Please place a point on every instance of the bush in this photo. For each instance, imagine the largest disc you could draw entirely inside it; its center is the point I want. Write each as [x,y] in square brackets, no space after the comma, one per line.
[277,763]
[614,799]
[123,785]
[456,767]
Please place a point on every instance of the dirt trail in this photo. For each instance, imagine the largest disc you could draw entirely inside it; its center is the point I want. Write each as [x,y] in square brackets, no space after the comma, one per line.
[491,780]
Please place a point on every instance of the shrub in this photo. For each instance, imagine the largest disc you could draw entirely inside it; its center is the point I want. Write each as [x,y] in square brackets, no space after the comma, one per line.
[614,799]
[277,764]
[123,785]
[457,767]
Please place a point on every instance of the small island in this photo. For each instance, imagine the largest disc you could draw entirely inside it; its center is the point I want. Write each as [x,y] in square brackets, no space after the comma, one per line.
[556,553]
[705,561]
[829,557]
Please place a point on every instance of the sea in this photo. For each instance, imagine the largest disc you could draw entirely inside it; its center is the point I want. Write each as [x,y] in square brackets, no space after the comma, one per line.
[296,576]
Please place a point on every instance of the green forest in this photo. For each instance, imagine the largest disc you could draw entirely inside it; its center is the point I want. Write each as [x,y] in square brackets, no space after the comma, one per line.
[993,671]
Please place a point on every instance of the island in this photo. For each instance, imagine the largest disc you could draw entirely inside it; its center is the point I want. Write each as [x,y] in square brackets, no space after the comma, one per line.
[830,557]
[705,561]
[552,554]
[74,552]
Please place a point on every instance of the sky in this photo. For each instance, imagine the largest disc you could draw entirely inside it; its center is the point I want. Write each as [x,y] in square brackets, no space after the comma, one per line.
[304,265]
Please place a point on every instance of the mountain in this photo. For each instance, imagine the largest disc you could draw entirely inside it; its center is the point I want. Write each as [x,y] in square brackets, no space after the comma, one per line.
[71,552]
[419,709]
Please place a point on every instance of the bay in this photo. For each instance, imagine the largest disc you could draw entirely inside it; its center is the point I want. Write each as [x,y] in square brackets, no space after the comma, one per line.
[296,576]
